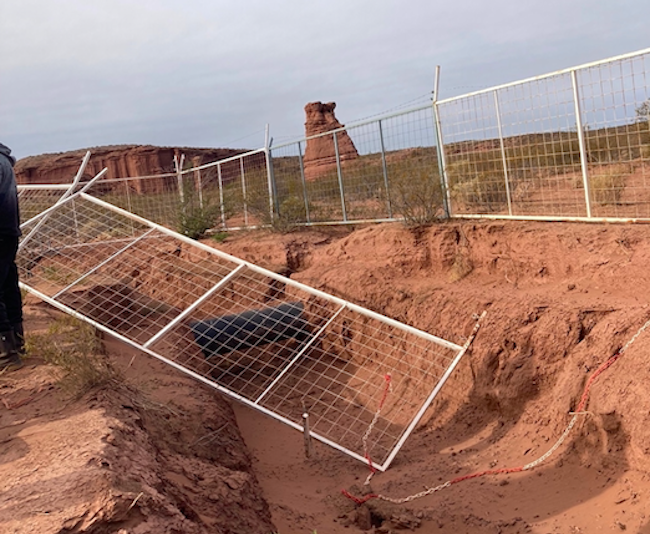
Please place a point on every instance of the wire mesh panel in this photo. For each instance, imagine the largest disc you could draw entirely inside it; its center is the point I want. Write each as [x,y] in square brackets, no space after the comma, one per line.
[157,198]
[474,164]
[322,171]
[542,147]
[35,199]
[514,151]
[292,201]
[568,144]
[66,243]
[229,194]
[615,104]
[260,338]
[377,170]
[363,175]
[412,168]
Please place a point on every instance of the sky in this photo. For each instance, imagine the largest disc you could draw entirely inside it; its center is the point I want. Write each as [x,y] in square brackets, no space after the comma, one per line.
[210,73]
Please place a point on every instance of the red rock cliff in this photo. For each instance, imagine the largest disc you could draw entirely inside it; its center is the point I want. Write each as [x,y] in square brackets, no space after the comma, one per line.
[122,161]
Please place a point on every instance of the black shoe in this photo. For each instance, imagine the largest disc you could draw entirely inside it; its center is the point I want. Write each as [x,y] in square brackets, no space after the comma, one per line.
[19,336]
[9,357]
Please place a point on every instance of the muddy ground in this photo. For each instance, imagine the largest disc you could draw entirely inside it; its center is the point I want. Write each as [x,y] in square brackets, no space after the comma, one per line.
[154,451]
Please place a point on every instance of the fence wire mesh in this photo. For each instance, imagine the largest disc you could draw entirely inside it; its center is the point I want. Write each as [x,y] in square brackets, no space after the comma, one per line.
[227,194]
[263,339]
[35,199]
[571,144]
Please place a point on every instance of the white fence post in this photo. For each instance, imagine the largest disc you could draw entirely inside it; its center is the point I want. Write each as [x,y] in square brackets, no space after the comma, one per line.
[178,163]
[303,181]
[221,204]
[273,192]
[504,159]
[243,190]
[340,176]
[384,168]
[442,164]
[581,141]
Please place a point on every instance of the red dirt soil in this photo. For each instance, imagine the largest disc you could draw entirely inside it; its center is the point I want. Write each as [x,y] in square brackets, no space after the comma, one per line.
[560,299]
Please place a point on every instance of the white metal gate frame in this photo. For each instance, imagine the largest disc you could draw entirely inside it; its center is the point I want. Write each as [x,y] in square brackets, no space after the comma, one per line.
[396,329]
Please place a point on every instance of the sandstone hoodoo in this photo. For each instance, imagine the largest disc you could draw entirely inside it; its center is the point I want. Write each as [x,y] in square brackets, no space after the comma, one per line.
[320,154]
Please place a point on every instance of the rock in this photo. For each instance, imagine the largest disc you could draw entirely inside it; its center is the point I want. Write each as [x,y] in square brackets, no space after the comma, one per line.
[122,161]
[320,155]
[363,518]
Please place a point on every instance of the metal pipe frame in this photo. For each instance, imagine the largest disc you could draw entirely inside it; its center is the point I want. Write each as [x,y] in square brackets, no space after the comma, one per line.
[194,375]
[221,204]
[44,215]
[303,181]
[243,190]
[340,176]
[428,401]
[444,185]
[384,168]
[442,162]
[581,141]
[275,276]
[232,274]
[503,151]
[273,190]
[550,74]
[179,177]
[299,355]
[43,187]
[552,218]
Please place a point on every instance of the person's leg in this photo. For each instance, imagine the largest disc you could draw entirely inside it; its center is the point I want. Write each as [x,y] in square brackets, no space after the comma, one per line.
[14,304]
[10,304]
[7,259]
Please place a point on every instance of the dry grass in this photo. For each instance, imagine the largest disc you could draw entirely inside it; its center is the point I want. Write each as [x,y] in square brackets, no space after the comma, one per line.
[73,346]
[608,182]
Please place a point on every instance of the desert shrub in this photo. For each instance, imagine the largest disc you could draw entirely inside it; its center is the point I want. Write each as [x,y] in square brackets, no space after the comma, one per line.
[607,183]
[74,347]
[415,190]
[292,210]
[196,215]
[195,221]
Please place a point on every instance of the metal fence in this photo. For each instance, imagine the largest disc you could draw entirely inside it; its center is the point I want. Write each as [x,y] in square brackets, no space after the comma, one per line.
[274,344]
[232,193]
[570,145]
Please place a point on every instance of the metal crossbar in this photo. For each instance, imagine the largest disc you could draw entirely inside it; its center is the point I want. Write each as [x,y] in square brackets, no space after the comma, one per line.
[265,340]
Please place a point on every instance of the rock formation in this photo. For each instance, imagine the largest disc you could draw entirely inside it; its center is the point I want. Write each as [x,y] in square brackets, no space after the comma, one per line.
[122,161]
[320,155]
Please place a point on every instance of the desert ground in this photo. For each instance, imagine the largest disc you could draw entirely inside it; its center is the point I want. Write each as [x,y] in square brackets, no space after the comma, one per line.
[145,449]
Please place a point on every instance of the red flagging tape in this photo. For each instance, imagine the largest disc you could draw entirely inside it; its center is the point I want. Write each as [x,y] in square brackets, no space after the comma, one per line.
[506,470]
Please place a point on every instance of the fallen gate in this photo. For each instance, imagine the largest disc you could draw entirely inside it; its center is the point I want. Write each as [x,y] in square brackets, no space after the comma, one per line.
[265,340]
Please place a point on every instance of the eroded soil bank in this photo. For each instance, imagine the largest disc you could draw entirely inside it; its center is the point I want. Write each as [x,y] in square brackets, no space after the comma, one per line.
[561,299]
[159,453]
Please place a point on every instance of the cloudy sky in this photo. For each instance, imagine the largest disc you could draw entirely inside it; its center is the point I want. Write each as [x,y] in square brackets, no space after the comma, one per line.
[211,73]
